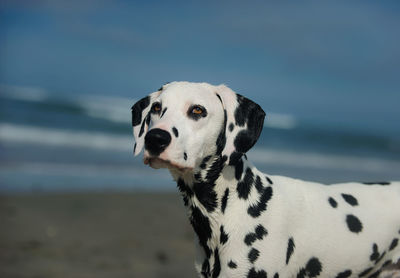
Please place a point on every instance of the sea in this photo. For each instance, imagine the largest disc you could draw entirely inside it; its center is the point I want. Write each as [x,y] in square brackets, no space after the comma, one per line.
[80,143]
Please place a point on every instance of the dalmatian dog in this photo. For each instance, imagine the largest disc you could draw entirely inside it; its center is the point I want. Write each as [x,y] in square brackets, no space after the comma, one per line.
[248,223]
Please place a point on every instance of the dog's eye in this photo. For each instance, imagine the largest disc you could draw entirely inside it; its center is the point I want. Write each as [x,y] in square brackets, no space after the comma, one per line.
[156,108]
[196,112]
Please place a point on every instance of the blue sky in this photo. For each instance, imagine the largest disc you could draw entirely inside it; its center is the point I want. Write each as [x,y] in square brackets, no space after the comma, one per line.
[336,62]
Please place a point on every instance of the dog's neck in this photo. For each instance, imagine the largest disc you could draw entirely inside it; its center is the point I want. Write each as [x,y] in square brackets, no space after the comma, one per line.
[205,192]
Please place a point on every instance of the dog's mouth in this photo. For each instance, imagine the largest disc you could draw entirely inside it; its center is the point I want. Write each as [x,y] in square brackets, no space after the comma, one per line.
[157,163]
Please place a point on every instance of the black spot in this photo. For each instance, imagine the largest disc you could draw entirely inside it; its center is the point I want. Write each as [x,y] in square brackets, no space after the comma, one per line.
[332,202]
[224,200]
[344,274]
[185,156]
[223,236]
[185,190]
[269,180]
[256,274]
[353,223]
[243,141]
[313,267]
[393,244]
[163,112]
[145,122]
[205,268]
[185,201]
[350,199]
[380,258]
[239,169]
[134,148]
[250,238]
[204,190]
[375,253]
[137,109]
[301,273]
[197,176]
[378,183]
[375,256]
[276,275]
[232,264]
[204,162]
[260,231]
[255,210]
[375,274]
[175,131]
[290,249]
[235,157]
[247,110]
[220,99]
[385,264]
[365,272]
[244,186]
[253,255]
[258,184]
[231,127]
[241,113]
[217,264]
[202,228]
[206,195]
[215,169]
[221,140]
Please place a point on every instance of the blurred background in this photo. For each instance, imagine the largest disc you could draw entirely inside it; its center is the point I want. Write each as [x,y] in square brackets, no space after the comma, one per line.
[326,73]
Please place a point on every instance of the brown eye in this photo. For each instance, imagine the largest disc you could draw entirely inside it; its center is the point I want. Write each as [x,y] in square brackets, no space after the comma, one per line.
[197,110]
[156,108]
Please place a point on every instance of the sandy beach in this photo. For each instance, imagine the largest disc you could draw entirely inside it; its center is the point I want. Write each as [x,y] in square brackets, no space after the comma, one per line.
[95,235]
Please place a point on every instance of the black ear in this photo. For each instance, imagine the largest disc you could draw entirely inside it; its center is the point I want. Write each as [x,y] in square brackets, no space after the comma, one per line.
[243,125]
[141,119]
[251,115]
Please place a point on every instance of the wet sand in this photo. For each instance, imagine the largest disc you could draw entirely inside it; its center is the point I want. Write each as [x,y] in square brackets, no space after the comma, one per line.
[95,235]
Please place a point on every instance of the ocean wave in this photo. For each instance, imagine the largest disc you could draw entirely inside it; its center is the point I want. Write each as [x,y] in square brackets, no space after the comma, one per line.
[26,93]
[124,143]
[111,108]
[280,121]
[114,109]
[321,160]
[62,137]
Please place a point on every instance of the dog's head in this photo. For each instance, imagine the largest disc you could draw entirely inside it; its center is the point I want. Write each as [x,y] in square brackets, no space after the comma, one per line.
[182,123]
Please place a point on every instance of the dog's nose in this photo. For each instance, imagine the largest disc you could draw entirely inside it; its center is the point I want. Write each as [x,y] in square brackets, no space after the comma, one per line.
[156,140]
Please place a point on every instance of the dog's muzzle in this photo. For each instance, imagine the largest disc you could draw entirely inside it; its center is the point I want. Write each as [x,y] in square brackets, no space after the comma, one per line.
[156,141]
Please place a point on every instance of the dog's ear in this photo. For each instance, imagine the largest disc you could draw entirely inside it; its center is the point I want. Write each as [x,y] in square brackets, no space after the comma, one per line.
[244,120]
[141,120]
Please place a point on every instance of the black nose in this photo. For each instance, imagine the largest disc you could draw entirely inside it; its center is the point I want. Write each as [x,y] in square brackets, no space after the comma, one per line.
[156,140]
